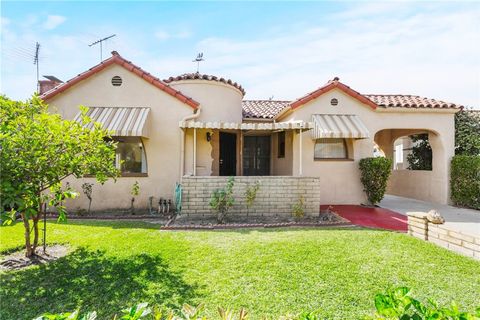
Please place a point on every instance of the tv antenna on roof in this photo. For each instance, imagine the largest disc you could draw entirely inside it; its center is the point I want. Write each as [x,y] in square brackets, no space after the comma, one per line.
[35,62]
[101,43]
[199,59]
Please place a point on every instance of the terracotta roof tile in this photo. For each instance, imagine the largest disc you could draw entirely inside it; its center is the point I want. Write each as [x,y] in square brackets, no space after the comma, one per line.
[408,101]
[119,60]
[199,76]
[268,109]
[263,109]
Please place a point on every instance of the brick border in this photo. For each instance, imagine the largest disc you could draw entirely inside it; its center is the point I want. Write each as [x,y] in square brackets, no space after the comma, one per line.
[421,227]
[256,225]
[108,217]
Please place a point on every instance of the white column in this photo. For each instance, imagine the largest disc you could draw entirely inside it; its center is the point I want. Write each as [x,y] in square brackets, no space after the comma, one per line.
[194,151]
[300,168]
[182,152]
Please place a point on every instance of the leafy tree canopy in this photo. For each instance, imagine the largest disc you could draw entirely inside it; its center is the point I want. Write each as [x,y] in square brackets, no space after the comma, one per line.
[38,150]
[421,156]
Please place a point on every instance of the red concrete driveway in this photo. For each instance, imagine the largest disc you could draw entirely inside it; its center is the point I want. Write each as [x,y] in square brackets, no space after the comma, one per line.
[371,217]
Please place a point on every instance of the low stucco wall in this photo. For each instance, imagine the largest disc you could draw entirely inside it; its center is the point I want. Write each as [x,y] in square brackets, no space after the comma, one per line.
[276,194]
[116,195]
[417,184]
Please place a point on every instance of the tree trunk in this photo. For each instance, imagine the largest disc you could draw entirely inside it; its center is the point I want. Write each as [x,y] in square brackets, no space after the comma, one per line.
[28,246]
[35,232]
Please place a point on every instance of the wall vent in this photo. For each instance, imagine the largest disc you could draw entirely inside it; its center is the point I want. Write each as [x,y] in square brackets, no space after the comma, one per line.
[116,81]
[334,102]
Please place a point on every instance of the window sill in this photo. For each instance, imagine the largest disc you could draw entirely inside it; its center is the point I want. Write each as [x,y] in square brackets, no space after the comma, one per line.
[133,174]
[124,175]
[333,159]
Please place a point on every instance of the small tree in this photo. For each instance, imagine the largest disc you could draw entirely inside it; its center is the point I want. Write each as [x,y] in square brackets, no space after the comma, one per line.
[222,200]
[135,191]
[467,132]
[38,151]
[298,208]
[421,156]
[87,191]
[374,177]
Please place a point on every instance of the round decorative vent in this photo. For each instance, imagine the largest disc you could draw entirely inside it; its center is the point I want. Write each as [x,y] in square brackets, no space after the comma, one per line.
[116,81]
[334,102]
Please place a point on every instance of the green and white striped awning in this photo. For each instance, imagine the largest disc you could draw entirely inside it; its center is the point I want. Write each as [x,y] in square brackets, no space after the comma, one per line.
[120,121]
[338,126]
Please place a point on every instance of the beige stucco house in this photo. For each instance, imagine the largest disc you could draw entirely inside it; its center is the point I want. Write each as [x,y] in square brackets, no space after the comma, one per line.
[195,128]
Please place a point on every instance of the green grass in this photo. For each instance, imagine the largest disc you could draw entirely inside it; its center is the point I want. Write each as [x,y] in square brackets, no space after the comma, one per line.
[270,272]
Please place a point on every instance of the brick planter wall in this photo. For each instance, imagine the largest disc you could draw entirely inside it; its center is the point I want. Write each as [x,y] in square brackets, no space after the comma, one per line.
[442,235]
[276,195]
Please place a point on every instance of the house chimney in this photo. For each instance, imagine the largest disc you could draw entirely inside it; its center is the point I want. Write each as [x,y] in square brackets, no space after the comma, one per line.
[50,83]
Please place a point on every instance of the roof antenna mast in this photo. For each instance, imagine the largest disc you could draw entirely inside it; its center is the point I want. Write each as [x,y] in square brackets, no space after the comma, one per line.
[100,41]
[199,59]
[35,62]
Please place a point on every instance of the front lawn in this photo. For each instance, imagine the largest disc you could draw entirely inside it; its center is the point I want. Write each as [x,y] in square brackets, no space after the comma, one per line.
[269,272]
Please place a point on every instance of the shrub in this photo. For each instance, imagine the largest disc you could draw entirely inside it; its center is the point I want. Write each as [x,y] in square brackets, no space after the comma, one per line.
[398,304]
[222,200]
[144,312]
[465,181]
[251,194]
[467,132]
[298,208]
[374,177]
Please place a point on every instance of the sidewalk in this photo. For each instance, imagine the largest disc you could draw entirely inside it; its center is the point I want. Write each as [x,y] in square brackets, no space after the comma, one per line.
[464,220]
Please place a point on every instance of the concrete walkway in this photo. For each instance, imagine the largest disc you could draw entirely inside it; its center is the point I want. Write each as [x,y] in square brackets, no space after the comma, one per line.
[464,220]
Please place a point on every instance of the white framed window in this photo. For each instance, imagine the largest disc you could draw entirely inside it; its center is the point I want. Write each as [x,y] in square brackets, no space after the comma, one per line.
[330,148]
[130,156]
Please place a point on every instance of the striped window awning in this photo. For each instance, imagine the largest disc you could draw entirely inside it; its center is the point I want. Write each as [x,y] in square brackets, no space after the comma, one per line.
[120,121]
[247,125]
[338,126]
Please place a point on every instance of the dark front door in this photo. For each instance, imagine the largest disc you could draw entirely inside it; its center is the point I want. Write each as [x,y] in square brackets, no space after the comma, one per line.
[256,155]
[228,154]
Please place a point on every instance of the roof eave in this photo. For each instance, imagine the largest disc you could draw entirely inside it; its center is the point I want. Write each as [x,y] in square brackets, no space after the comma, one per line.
[328,87]
[416,110]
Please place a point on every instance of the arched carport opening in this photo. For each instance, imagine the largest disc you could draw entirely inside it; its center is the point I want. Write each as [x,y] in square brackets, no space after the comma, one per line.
[426,180]
[412,152]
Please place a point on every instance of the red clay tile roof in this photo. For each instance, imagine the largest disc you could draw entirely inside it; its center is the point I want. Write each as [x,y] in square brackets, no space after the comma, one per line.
[268,109]
[199,76]
[119,60]
[262,109]
[332,84]
[408,101]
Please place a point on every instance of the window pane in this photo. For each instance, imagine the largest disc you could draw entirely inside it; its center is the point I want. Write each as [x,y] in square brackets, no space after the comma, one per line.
[330,149]
[131,156]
